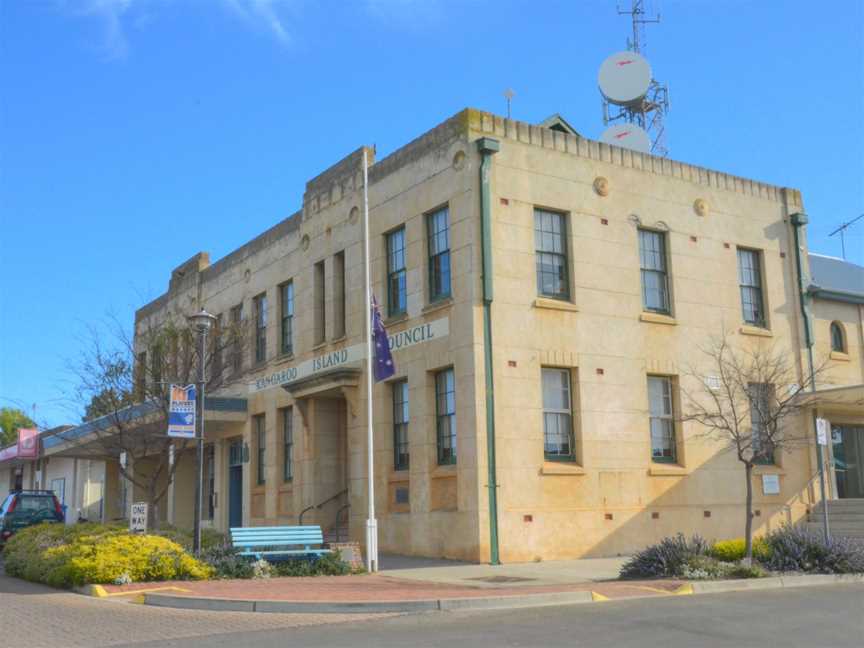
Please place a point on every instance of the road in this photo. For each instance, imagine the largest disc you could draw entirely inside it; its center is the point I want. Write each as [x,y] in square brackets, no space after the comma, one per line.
[32,616]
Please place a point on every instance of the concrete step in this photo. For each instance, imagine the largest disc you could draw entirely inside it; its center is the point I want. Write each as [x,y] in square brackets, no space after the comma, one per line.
[856,532]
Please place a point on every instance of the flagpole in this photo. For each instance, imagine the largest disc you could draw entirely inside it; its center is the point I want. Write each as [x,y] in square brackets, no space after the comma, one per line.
[371,522]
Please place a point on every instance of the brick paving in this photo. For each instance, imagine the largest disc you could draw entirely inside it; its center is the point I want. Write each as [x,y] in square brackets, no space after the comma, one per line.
[34,616]
[377,587]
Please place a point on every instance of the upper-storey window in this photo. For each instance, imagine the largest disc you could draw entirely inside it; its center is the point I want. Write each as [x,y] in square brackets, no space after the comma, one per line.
[397,293]
[550,241]
[438,229]
[261,327]
[557,414]
[339,294]
[286,298]
[655,280]
[236,339]
[320,312]
[838,339]
[750,282]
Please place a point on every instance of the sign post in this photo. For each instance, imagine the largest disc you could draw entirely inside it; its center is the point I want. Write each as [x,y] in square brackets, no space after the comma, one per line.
[138,518]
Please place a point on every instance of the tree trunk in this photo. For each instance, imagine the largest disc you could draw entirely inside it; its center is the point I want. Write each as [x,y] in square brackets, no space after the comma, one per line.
[748,526]
[153,522]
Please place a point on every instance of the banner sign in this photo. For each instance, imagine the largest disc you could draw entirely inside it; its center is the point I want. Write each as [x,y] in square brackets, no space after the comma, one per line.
[28,443]
[822,427]
[181,412]
[397,341]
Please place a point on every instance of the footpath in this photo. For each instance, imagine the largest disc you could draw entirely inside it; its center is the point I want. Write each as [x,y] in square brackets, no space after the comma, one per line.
[417,585]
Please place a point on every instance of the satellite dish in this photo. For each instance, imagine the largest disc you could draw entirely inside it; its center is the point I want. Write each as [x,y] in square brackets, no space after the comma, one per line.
[624,78]
[628,136]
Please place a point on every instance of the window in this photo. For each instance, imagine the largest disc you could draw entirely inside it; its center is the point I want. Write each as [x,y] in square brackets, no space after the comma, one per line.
[237,339]
[652,261]
[210,479]
[216,346]
[320,313]
[438,232]
[760,415]
[260,446]
[750,281]
[156,366]
[838,340]
[287,444]
[550,240]
[557,415]
[445,416]
[141,376]
[286,298]
[400,425]
[662,422]
[261,328]
[396,286]
[339,295]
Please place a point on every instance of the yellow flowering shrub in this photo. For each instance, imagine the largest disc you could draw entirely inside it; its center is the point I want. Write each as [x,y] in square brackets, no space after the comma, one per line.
[98,554]
[733,550]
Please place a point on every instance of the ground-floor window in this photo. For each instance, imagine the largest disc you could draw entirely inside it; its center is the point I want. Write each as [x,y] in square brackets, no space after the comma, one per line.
[557,415]
[400,425]
[287,444]
[661,419]
[210,479]
[260,446]
[445,416]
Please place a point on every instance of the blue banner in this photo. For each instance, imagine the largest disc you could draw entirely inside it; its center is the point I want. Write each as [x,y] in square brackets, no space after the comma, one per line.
[181,412]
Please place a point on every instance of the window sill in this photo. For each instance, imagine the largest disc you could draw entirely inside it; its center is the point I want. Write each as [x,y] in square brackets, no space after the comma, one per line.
[561,468]
[667,470]
[839,355]
[746,329]
[285,357]
[398,476]
[395,319]
[555,304]
[437,305]
[443,472]
[319,345]
[657,318]
[341,338]
[286,487]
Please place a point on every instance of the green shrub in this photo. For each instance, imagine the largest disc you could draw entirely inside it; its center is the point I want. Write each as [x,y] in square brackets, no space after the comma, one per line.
[743,571]
[327,565]
[796,549]
[63,556]
[733,550]
[666,558]
[226,563]
[703,568]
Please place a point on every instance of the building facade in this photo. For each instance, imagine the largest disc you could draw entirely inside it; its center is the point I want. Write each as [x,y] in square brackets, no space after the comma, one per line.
[540,289]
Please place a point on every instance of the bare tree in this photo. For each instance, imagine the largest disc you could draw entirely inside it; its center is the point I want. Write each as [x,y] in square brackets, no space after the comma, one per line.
[123,384]
[749,398]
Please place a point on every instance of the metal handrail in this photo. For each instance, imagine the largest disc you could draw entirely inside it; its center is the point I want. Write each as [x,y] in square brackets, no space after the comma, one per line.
[320,505]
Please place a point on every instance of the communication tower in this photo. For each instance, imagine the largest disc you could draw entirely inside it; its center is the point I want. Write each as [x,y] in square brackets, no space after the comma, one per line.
[634,102]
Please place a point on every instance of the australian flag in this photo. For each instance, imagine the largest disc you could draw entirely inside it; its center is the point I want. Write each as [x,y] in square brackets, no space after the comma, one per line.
[384,367]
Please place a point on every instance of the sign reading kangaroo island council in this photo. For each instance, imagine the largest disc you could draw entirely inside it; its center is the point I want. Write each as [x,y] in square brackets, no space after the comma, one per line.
[401,340]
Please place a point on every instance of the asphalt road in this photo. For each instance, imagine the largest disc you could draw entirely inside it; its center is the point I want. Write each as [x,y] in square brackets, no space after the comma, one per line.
[32,616]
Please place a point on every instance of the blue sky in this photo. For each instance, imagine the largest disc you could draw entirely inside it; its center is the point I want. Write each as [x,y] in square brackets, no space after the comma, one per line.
[134,133]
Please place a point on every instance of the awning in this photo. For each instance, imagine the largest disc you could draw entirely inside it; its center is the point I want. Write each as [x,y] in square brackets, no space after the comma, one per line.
[839,400]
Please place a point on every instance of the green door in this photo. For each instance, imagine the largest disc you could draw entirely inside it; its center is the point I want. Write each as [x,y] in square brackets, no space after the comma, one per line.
[848,447]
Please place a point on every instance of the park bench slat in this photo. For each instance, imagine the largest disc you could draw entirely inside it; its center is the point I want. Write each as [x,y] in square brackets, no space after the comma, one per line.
[278,541]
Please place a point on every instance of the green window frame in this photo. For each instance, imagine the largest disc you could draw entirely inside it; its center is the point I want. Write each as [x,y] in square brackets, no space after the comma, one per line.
[287,444]
[445,416]
[286,292]
[401,454]
[558,439]
[260,448]
[654,274]
[397,288]
[260,302]
[550,244]
[438,235]
[661,418]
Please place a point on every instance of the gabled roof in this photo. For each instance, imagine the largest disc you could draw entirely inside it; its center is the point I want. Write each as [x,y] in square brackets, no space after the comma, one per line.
[833,278]
[557,122]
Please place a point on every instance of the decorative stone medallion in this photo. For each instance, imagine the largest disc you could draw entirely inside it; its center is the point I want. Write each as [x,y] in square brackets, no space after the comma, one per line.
[459,160]
[354,215]
[601,186]
[304,242]
[700,206]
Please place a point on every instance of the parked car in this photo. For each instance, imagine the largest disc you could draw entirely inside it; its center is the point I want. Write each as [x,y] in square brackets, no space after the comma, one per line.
[25,508]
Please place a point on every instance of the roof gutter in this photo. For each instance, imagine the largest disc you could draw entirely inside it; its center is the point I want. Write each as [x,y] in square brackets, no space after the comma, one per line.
[487,148]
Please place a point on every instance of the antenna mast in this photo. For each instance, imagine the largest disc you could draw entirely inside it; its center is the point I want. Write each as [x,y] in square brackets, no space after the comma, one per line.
[842,229]
[649,113]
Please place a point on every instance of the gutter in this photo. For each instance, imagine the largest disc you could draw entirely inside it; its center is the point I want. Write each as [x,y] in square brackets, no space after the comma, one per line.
[487,148]
[835,295]
[799,221]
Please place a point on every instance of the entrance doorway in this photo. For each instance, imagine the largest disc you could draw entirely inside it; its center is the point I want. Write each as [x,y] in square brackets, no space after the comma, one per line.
[235,484]
[848,447]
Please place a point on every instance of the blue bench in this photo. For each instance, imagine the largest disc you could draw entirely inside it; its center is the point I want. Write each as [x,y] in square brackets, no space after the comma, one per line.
[274,543]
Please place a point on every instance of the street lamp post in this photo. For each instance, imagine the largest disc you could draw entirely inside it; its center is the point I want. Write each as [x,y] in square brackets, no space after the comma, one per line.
[201,323]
